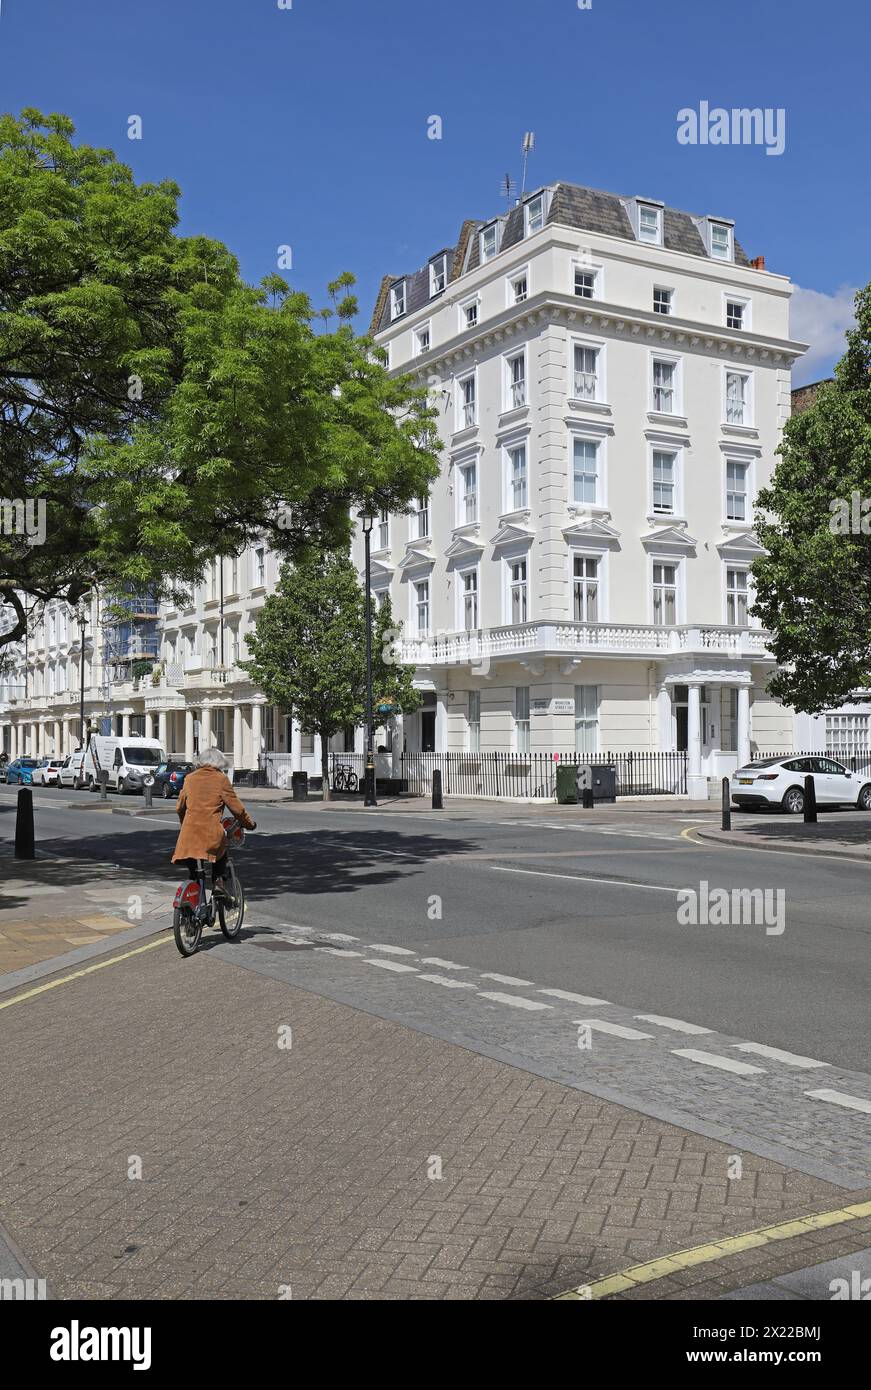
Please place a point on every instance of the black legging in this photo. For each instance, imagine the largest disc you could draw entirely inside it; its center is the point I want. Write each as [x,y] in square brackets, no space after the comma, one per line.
[217,869]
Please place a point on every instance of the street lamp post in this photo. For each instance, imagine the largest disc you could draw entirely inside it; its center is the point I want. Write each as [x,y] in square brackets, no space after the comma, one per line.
[369,799]
[82,620]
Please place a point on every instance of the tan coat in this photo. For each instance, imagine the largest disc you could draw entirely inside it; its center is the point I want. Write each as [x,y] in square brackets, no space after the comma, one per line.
[200,808]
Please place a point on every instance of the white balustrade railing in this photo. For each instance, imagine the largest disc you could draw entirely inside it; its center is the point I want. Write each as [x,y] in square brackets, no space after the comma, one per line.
[620,638]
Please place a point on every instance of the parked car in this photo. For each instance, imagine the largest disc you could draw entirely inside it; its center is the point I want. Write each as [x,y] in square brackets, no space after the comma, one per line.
[21,770]
[71,773]
[169,778]
[779,782]
[46,772]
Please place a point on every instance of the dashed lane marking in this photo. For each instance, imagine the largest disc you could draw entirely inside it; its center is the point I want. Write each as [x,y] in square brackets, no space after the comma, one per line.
[516,1001]
[585,878]
[447,981]
[676,1024]
[508,980]
[714,1059]
[573,998]
[393,965]
[391,950]
[789,1059]
[444,964]
[835,1098]
[616,1030]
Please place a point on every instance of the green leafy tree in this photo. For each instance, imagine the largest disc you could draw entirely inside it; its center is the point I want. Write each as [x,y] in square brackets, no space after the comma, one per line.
[163,411]
[308,650]
[814,585]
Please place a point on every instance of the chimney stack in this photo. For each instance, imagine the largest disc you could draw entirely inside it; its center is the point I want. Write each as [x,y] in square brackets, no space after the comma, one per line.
[758,263]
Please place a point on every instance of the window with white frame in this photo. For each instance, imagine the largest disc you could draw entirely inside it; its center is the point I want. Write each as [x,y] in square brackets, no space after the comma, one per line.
[438,271]
[736,313]
[515,381]
[234,574]
[586,485]
[737,479]
[585,588]
[488,242]
[664,386]
[267,727]
[721,241]
[664,482]
[586,281]
[737,582]
[382,534]
[470,600]
[467,403]
[649,223]
[662,299]
[474,721]
[516,480]
[259,558]
[467,495]
[737,398]
[521,719]
[421,339]
[535,214]
[664,594]
[847,735]
[469,313]
[517,591]
[397,300]
[421,607]
[587,719]
[421,518]
[518,288]
[585,383]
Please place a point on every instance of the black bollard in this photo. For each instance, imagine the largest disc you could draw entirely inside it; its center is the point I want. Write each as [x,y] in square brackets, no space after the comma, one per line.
[587,798]
[810,801]
[726,822]
[437,790]
[25,838]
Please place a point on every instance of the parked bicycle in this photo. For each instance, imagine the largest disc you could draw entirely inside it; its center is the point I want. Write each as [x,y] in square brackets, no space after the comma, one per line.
[196,906]
[345,778]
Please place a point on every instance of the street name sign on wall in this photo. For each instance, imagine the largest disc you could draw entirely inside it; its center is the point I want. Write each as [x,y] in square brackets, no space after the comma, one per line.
[553,706]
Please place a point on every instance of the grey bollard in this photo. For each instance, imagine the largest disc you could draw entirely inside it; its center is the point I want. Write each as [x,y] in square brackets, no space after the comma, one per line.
[25,837]
[437,804]
[726,822]
[147,790]
[810,801]
[103,778]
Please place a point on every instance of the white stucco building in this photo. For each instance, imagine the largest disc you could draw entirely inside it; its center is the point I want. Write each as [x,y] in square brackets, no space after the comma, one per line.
[612,376]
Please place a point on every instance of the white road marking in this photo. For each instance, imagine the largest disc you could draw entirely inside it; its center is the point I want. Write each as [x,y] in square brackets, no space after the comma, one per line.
[573,998]
[340,951]
[677,1024]
[841,1098]
[394,965]
[791,1059]
[713,1059]
[617,1030]
[515,1000]
[445,964]
[584,878]
[34,890]
[336,935]
[447,981]
[392,950]
[508,980]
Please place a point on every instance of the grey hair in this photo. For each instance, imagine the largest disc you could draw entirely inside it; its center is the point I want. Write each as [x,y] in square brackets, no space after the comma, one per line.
[211,757]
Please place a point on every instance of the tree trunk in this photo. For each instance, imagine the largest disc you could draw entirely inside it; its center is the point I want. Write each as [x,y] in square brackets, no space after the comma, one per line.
[325,767]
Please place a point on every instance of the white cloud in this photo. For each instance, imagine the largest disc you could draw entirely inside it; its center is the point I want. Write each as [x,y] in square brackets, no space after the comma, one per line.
[820,320]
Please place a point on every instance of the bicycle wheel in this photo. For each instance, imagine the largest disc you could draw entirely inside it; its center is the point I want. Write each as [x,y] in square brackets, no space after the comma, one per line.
[187,930]
[353,782]
[231,912]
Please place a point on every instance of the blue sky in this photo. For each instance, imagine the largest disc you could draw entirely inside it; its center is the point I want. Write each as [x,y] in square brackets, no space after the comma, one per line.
[308,126]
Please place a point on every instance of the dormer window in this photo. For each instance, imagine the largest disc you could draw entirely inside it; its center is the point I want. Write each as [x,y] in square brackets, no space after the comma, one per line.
[438,271]
[650,224]
[488,243]
[721,241]
[397,300]
[535,214]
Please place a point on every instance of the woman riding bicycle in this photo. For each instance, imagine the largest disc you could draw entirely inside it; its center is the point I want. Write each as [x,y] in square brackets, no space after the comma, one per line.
[201,801]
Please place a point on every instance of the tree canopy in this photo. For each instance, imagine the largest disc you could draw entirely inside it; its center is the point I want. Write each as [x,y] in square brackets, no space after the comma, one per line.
[814,585]
[159,409]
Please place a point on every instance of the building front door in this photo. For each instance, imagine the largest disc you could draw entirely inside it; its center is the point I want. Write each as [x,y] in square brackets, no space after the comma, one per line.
[427,731]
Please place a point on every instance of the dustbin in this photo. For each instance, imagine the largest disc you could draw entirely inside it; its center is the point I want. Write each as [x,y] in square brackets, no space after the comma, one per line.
[566,784]
[299,786]
[604,781]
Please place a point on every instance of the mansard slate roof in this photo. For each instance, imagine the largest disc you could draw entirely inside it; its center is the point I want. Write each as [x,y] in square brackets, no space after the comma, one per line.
[584,209]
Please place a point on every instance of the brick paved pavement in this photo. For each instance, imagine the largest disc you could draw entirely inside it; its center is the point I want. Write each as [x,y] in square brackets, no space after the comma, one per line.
[308,1167]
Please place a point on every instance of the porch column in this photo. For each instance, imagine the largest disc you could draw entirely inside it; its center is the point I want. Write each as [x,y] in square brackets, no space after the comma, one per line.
[441,722]
[34,740]
[256,737]
[743,739]
[238,759]
[161,730]
[149,725]
[398,742]
[125,725]
[663,720]
[40,740]
[295,746]
[697,785]
[205,728]
[188,735]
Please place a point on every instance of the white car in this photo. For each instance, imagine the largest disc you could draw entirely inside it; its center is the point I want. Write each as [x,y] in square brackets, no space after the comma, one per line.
[45,774]
[780,782]
[71,773]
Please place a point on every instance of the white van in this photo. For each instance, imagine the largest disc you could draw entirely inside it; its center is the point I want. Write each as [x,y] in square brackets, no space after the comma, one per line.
[128,761]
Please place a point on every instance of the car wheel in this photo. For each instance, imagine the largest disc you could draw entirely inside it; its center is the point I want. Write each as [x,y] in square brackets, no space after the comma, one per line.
[864,801]
[165,792]
[793,801]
